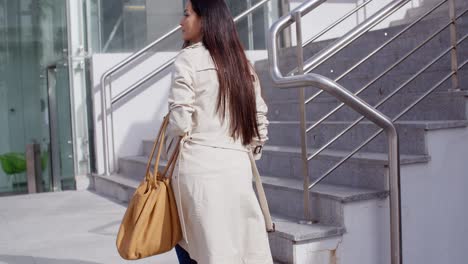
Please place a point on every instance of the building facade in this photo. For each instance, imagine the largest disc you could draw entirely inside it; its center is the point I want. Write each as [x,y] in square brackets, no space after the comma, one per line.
[46,93]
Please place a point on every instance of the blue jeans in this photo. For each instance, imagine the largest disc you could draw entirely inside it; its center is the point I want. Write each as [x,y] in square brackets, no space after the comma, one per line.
[183,256]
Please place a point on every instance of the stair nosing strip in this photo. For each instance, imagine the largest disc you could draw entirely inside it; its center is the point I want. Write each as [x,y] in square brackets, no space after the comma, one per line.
[360,195]
[326,232]
[360,156]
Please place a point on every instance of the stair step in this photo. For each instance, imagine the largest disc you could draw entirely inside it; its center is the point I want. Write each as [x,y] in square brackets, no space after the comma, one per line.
[363,157]
[356,81]
[115,185]
[122,186]
[285,197]
[422,124]
[437,106]
[412,134]
[373,39]
[289,231]
[363,170]
[297,232]
[340,193]
[335,192]
[135,166]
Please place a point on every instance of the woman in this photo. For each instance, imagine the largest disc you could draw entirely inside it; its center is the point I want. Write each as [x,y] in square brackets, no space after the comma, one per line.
[215,105]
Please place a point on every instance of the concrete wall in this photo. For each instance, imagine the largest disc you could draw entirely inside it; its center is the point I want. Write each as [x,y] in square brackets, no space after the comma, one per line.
[138,118]
[434,201]
[434,210]
[367,237]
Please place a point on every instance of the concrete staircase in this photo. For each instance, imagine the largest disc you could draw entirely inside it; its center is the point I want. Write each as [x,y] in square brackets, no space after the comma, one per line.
[354,198]
[362,179]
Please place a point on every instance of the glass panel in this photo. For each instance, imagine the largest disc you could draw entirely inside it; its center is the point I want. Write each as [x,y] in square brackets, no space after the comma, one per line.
[127,26]
[33,36]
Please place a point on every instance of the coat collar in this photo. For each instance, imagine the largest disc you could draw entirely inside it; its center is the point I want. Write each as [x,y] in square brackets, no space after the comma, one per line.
[194,45]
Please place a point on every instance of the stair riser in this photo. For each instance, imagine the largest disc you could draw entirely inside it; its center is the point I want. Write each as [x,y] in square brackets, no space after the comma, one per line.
[422,29]
[286,202]
[433,107]
[382,87]
[362,46]
[113,190]
[134,170]
[290,165]
[147,147]
[351,173]
[381,61]
[289,202]
[355,174]
[319,251]
[282,248]
[411,137]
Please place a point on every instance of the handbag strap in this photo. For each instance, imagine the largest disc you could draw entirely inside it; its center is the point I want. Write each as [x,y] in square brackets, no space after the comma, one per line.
[172,161]
[270,226]
[157,143]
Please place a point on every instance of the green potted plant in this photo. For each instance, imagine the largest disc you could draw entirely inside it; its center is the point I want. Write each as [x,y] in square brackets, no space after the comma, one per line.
[14,163]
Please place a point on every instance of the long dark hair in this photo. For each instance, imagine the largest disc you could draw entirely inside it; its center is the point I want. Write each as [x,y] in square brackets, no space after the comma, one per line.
[235,77]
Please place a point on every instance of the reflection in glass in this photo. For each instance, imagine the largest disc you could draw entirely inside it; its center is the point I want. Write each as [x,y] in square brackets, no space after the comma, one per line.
[32,37]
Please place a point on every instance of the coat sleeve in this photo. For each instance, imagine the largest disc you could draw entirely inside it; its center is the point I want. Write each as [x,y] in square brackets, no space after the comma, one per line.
[262,121]
[181,96]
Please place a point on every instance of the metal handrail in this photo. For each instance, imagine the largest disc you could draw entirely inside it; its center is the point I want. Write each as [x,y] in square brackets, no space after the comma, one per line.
[433,88]
[127,61]
[353,34]
[334,24]
[412,78]
[379,48]
[318,180]
[348,98]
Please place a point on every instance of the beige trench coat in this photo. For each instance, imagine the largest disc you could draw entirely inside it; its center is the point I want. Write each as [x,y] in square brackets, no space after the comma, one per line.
[221,219]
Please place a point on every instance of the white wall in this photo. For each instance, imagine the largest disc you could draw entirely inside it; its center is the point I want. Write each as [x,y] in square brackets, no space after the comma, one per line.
[367,237]
[329,12]
[140,117]
[434,210]
[136,119]
[435,201]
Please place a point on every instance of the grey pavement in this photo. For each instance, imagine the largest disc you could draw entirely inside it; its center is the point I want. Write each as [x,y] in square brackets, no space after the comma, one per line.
[70,227]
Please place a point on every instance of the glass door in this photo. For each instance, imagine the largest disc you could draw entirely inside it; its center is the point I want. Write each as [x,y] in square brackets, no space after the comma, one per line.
[33,36]
[60,130]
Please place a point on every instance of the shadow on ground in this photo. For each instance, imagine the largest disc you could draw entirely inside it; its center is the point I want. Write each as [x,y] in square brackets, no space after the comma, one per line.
[12,259]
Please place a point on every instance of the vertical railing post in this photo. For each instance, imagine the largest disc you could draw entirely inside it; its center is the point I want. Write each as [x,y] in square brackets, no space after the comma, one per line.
[453,44]
[302,106]
[250,26]
[395,196]
[105,142]
[285,38]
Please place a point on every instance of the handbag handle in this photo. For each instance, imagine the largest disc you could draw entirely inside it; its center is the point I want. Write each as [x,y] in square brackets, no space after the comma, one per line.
[159,143]
[159,139]
[171,163]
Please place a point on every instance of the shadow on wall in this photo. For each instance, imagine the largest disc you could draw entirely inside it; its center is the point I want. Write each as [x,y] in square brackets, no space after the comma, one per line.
[12,259]
[137,116]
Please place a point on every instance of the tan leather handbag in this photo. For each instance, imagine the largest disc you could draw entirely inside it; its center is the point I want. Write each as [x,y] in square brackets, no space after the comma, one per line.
[151,224]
